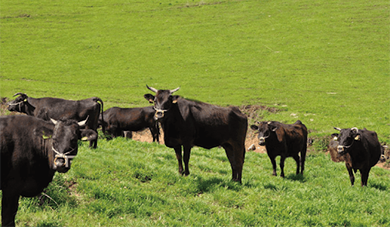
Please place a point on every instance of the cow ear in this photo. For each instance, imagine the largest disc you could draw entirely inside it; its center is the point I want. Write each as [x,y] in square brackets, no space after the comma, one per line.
[254,127]
[87,135]
[149,97]
[175,98]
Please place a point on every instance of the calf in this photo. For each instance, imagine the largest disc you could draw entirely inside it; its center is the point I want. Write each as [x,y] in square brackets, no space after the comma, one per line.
[332,148]
[119,121]
[364,150]
[286,140]
[32,150]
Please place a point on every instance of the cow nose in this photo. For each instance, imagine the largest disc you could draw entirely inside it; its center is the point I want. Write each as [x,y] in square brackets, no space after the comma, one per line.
[340,149]
[159,114]
[59,162]
[261,140]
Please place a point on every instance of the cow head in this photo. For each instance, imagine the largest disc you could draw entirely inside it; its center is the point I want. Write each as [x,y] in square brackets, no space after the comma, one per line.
[264,131]
[21,104]
[64,143]
[346,139]
[163,101]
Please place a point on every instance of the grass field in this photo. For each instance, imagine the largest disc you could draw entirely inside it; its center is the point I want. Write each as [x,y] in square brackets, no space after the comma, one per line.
[323,62]
[130,183]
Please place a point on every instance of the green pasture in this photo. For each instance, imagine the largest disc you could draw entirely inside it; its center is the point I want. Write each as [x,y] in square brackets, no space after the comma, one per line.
[130,183]
[323,62]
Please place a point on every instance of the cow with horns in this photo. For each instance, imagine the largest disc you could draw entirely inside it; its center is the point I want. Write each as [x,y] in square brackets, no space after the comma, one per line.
[363,148]
[55,108]
[188,123]
[32,150]
[286,140]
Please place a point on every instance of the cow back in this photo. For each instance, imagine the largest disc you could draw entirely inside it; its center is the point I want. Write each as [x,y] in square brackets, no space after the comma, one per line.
[208,125]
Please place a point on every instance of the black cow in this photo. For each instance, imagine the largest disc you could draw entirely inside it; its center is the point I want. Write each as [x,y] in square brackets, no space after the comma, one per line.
[54,108]
[286,140]
[364,149]
[190,123]
[32,150]
[118,121]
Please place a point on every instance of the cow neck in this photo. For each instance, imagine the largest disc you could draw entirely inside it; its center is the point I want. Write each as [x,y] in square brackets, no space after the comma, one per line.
[48,153]
[29,108]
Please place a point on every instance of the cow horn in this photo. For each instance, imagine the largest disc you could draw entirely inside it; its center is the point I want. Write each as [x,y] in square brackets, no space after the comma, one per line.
[19,93]
[152,89]
[82,123]
[174,90]
[355,129]
[54,121]
[338,129]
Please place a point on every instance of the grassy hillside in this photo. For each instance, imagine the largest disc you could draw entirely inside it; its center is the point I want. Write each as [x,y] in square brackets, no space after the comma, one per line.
[324,62]
[129,183]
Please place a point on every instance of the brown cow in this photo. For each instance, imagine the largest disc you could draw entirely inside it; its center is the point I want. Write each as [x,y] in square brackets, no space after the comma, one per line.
[284,140]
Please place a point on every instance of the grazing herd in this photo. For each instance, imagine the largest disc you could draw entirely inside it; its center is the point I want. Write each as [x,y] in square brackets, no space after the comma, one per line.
[35,146]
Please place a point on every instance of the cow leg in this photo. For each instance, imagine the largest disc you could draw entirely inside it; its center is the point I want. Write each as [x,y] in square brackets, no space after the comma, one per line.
[282,158]
[303,158]
[93,143]
[154,134]
[296,158]
[9,207]
[179,158]
[236,161]
[187,153]
[364,176]
[273,165]
[351,176]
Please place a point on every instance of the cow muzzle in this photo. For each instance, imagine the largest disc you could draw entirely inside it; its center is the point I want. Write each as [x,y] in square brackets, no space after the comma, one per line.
[340,150]
[62,161]
[262,141]
[159,114]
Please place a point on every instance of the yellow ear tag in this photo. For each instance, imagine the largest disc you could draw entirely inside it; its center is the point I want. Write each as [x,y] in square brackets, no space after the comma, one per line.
[25,100]
[335,138]
[84,138]
[174,101]
[45,137]
[357,137]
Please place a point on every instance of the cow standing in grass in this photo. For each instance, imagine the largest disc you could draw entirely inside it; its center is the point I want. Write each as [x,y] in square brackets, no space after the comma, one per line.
[364,150]
[32,150]
[189,123]
[286,140]
[54,108]
[122,121]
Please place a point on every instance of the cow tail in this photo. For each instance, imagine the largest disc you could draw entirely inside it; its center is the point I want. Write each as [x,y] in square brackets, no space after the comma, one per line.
[96,99]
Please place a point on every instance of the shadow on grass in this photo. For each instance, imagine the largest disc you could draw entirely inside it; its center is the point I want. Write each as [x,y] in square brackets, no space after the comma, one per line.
[208,184]
[296,177]
[379,186]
